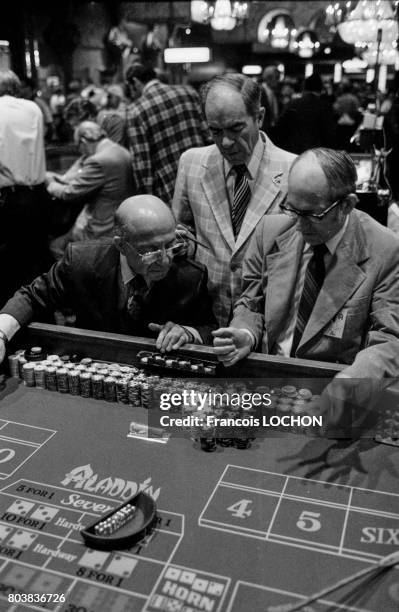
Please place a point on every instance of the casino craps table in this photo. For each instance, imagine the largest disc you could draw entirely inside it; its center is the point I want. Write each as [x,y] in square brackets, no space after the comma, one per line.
[236,529]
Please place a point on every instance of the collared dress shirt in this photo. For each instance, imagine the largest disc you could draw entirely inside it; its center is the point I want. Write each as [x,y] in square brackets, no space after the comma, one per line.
[286,336]
[252,170]
[22,160]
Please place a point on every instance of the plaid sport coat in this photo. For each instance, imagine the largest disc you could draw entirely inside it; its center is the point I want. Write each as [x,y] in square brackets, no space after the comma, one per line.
[163,123]
[201,202]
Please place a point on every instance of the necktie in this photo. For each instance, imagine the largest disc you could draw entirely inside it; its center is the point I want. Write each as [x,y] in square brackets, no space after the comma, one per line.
[136,292]
[314,278]
[242,195]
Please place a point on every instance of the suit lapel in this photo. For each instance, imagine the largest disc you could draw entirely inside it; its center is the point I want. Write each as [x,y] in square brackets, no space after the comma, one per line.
[264,192]
[341,282]
[107,290]
[282,270]
[214,186]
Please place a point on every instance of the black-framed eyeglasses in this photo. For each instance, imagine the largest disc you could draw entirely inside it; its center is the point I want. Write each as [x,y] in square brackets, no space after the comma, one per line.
[317,217]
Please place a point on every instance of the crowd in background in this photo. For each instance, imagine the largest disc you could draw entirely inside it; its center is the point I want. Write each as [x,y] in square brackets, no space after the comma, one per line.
[153,123]
[348,100]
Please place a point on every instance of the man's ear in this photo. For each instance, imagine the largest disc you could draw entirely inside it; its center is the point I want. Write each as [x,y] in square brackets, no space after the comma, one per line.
[350,202]
[261,115]
[118,242]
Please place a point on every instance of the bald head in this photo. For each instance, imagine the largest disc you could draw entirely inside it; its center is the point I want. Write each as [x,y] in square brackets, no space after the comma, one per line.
[143,216]
[89,130]
[144,225]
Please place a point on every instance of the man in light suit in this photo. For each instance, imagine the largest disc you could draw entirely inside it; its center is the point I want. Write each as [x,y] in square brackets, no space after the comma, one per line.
[101,179]
[354,319]
[211,180]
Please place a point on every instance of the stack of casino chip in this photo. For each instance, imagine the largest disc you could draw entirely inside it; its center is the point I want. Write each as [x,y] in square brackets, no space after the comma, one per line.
[115,521]
[110,388]
[13,364]
[86,362]
[62,380]
[134,393]
[35,353]
[40,375]
[85,383]
[97,386]
[21,363]
[28,373]
[146,395]
[74,381]
[51,378]
[121,386]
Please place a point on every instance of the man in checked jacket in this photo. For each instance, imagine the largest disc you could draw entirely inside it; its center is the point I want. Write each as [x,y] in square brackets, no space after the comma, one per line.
[223,191]
[162,123]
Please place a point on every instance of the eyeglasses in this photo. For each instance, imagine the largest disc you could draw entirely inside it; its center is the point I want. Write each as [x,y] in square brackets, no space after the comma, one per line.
[295,213]
[177,248]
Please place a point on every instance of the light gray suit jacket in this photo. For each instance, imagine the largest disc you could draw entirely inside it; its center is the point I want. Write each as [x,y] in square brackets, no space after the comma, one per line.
[102,181]
[360,291]
[201,202]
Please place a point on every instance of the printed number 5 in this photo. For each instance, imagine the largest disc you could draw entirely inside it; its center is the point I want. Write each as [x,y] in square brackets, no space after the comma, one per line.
[308,521]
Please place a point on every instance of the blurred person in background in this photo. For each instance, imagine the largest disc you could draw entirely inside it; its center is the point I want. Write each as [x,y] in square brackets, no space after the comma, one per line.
[163,122]
[391,131]
[308,121]
[112,118]
[269,100]
[348,116]
[101,179]
[76,111]
[286,94]
[23,246]
[29,91]
[73,90]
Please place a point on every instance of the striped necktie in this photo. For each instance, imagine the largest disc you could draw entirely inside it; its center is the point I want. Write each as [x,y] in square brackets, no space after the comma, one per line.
[136,291]
[242,196]
[314,278]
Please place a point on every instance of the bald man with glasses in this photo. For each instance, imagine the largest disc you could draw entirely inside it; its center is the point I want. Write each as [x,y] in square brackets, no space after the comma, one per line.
[320,281]
[138,283]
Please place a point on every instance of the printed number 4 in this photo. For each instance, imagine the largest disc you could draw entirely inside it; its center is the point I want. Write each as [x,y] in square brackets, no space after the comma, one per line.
[308,521]
[239,509]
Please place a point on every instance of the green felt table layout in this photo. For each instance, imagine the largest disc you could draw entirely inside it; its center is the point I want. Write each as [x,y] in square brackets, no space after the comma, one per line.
[236,531]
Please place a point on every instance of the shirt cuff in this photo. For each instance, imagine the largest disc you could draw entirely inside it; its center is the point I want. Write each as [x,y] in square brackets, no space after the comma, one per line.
[250,334]
[9,325]
[195,333]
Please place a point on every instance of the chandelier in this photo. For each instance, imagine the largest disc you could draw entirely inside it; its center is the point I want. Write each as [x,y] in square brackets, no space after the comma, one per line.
[306,43]
[387,54]
[361,25]
[277,29]
[222,14]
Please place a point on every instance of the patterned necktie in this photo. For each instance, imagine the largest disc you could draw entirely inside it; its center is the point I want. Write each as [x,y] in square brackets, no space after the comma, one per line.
[136,292]
[314,278]
[242,196]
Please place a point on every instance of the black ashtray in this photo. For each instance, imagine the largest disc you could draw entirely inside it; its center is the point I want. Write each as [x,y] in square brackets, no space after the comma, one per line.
[131,532]
[35,353]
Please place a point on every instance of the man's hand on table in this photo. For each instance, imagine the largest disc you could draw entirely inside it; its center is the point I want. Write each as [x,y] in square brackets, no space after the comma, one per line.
[171,336]
[346,403]
[231,345]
